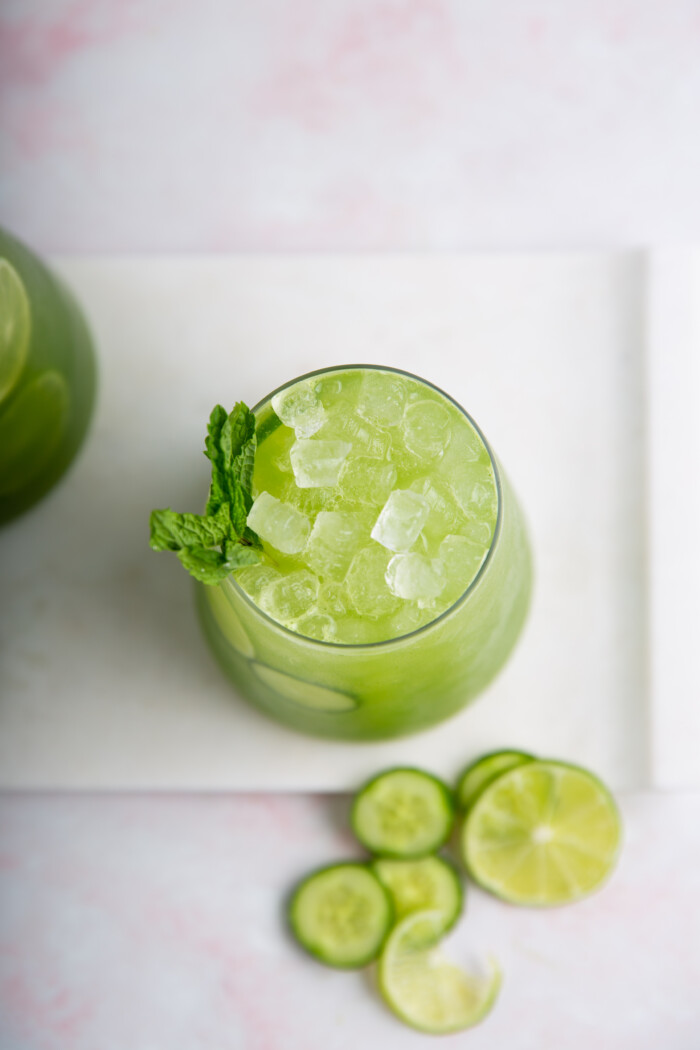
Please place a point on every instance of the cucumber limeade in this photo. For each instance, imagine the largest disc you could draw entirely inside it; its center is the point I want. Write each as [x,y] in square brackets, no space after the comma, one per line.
[383,573]
[47,378]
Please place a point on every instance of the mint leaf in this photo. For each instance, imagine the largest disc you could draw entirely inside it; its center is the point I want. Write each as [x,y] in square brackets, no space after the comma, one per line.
[239,509]
[213,566]
[239,554]
[230,445]
[207,566]
[237,431]
[171,531]
[244,464]
[213,452]
[211,545]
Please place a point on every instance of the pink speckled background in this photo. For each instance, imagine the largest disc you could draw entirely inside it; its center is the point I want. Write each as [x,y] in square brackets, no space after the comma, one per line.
[144,125]
[155,922]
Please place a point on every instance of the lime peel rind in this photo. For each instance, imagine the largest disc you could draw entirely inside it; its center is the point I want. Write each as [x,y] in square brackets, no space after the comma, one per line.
[425,989]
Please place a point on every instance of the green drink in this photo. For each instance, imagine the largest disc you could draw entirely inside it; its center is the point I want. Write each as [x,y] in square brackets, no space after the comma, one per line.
[396,570]
[47,378]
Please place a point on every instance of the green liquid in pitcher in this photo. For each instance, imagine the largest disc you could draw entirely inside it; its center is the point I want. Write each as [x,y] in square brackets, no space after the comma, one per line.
[47,378]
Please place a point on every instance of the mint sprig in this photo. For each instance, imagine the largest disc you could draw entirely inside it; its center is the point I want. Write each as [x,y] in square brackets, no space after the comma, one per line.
[213,544]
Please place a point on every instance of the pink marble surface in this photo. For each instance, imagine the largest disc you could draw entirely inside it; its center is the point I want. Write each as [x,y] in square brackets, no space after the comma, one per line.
[142,125]
[152,922]
[157,923]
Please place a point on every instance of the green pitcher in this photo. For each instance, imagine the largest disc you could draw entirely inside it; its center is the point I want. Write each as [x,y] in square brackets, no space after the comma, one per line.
[47,378]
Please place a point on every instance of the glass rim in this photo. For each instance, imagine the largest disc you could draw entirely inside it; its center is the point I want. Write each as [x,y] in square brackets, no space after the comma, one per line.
[451,609]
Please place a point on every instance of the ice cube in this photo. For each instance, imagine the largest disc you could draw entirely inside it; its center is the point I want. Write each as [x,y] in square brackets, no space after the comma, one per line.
[461,559]
[414,577]
[381,398]
[288,598]
[309,501]
[367,480]
[328,389]
[409,618]
[316,463]
[474,487]
[366,438]
[426,429]
[299,408]
[366,584]
[478,532]
[333,598]
[282,462]
[445,514]
[316,624]
[253,578]
[335,539]
[401,519]
[278,524]
[407,465]
[466,447]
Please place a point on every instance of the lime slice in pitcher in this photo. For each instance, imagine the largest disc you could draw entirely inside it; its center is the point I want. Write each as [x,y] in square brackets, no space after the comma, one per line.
[31,429]
[15,324]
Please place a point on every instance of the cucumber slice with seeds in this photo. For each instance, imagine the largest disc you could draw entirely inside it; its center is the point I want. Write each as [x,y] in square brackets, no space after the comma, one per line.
[403,813]
[342,915]
[427,884]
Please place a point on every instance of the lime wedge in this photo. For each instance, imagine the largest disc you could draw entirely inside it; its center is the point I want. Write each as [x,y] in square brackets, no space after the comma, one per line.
[15,323]
[544,833]
[423,987]
[485,770]
[31,430]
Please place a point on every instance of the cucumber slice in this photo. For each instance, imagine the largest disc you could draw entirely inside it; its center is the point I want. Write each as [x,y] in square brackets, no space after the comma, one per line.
[403,813]
[428,884]
[484,771]
[342,915]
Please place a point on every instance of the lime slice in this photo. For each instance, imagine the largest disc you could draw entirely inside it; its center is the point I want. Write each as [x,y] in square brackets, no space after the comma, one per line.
[403,812]
[31,429]
[485,770]
[427,884]
[303,693]
[15,324]
[423,987]
[544,833]
[341,914]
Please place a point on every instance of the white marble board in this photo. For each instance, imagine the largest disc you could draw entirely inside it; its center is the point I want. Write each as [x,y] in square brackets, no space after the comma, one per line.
[105,681]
